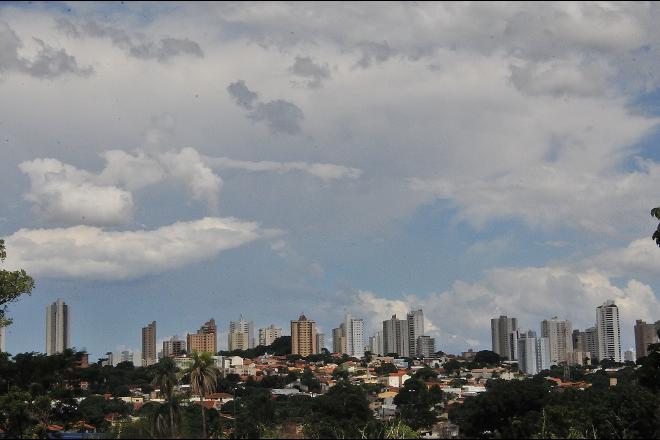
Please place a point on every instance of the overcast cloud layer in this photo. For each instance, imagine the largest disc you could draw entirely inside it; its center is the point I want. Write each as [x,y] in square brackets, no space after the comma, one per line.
[475,159]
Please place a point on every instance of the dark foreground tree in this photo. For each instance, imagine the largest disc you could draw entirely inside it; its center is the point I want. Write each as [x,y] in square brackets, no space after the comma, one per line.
[655,212]
[13,284]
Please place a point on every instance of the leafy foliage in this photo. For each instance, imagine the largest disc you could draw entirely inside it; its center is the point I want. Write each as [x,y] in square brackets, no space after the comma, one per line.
[487,357]
[13,284]
[416,403]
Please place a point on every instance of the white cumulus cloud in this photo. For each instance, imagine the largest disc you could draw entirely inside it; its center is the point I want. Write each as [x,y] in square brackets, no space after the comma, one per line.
[94,253]
[62,193]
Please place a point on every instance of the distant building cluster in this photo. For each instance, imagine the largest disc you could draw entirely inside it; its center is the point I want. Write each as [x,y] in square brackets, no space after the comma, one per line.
[559,344]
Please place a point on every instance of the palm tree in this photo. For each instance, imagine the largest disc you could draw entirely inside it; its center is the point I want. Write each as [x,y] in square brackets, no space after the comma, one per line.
[165,379]
[203,376]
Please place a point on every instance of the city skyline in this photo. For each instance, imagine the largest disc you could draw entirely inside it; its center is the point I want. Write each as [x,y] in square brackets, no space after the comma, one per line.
[561,338]
[172,162]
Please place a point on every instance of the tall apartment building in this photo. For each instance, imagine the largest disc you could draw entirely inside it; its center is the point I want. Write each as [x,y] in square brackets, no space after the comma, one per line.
[241,326]
[559,333]
[268,335]
[609,331]
[339,340]
[149,355]
[57,328]
[395,336]
[581,343]
[533,353]
[513,345]
[376,344]
[174,347]
[415,320]
[592,341]
[425,346]
[205,340]
[127,356]
[645,335]
[3,340]
[320,343]
[354,329]
[500,331]
[238,341]
[579,340]
[303,336]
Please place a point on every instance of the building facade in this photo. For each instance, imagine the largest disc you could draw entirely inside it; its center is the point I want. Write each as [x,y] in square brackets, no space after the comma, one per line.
[500,332]
[303,337]
[339,343]
[174,347]
[645,335]
[395,336]
[376,344]
[354,329]
[149,355]
[205,340]
[560,334]
[242,326]
[425,346]
[320,343]
[126,356]
[239,341]
[415,320]
[268,335]
[591,335]
[533,353]
[57,328]
[609,332]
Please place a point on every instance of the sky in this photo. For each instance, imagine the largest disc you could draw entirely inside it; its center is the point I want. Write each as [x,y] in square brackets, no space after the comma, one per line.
[181,161]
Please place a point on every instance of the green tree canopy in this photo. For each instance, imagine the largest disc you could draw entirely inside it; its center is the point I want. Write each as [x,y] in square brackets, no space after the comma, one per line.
[13,284]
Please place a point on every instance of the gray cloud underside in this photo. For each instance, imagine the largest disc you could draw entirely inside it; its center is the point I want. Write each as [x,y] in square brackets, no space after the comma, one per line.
[133,44]
[315,73]
[48,63]
[279,115]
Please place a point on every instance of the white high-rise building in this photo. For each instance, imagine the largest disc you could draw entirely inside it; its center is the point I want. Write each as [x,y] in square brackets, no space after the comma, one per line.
[268,335]
[501,329]
[57,328]
[533,353]
[376,344]
[242,326]
[609,332]
[629,355]
[415,320]
[354,336]
[320,343]
[560,335]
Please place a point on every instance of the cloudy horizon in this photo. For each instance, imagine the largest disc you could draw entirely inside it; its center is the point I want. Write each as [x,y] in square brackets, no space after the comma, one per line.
[176,162]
